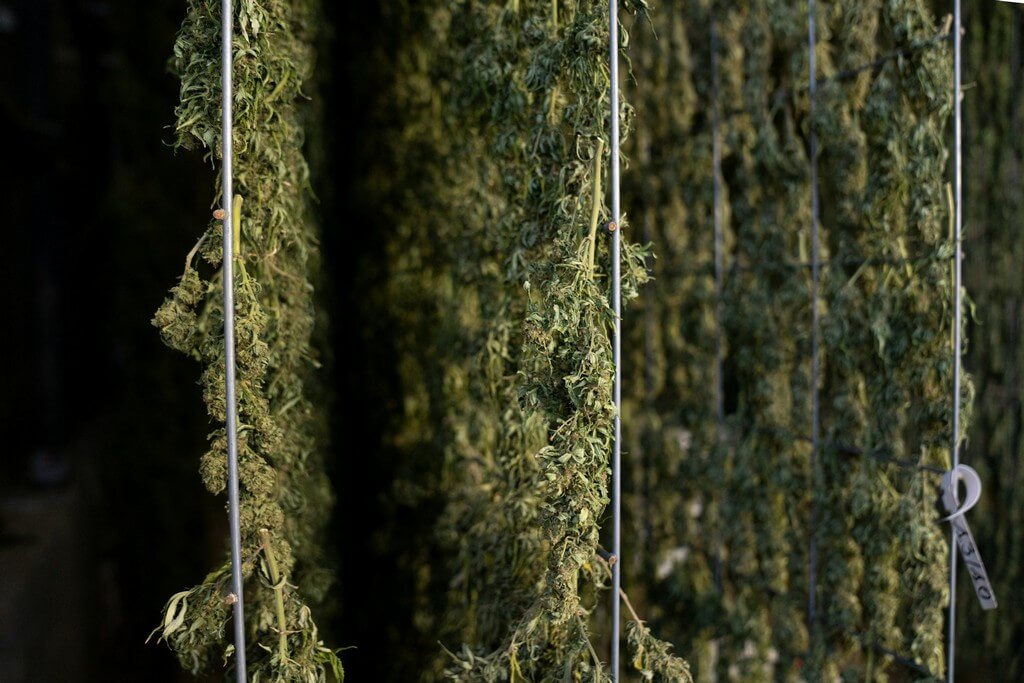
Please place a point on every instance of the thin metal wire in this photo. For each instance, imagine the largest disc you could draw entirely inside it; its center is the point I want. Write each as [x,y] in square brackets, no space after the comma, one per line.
[613,58]
[716,156]
[227,182]
[815,285]
[957,315]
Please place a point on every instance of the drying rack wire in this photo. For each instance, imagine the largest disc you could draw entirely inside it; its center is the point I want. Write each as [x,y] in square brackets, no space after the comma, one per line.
[616,493]
[229,223]
[957,321]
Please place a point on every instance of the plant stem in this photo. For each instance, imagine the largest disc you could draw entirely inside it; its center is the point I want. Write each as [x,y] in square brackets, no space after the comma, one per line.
[629,606]
[595,208]
[622,593]
[590,646]
[236,223]
[191,254]
[282,625]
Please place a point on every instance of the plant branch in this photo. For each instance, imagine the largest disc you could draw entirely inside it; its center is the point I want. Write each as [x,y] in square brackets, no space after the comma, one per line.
[595,207]
[278,581]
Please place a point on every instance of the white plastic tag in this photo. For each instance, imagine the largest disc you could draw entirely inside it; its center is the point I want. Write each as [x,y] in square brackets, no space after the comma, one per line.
[961,530]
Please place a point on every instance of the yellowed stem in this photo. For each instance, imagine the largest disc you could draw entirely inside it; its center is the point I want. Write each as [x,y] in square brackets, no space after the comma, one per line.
[590,646]
[622,593]
[236,223]
[952,237]
[276,579]
[595,207]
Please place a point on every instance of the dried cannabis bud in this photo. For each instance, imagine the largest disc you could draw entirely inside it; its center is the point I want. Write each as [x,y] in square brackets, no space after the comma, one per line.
[284,492]
[722,521]
[498,275]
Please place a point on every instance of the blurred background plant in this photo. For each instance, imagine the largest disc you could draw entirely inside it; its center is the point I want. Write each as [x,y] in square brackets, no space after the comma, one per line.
[103,514]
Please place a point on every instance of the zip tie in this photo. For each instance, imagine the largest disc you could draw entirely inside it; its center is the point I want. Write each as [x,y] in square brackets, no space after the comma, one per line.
[227,194]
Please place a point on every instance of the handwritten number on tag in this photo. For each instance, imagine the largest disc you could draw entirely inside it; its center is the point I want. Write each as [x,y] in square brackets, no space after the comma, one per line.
[964,539]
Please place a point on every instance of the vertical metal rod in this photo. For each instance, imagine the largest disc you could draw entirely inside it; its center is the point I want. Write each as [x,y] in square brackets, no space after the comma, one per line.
[815,293]
[957,315]
[613,49]
[227,182]
[716,160]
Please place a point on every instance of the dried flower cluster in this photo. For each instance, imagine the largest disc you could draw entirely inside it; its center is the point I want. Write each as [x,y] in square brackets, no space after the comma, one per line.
[285,495]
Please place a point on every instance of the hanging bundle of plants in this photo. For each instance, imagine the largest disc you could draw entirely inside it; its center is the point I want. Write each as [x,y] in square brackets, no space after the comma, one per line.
[669,406]
[284,493]
[505,242]
[498,269]
[887,376]
[724,517]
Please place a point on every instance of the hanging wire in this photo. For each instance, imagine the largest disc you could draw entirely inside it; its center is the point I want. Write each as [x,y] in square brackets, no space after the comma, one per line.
[957,315]
[227,194]
[716,159]
[815,283]
[613,58]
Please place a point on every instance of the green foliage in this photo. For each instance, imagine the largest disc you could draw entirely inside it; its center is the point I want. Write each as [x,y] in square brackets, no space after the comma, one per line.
[652,657]
[512,385]
[284,492]
[490,176]
[499,266]
[721,513]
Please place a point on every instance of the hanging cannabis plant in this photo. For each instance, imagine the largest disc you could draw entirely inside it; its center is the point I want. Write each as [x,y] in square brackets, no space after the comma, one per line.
[723,515]
[284,492]
[669,411]
[888,375]
[501,252]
